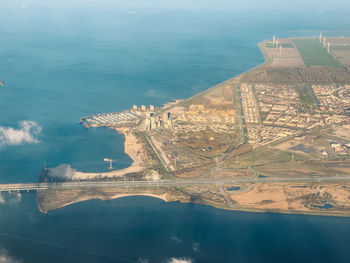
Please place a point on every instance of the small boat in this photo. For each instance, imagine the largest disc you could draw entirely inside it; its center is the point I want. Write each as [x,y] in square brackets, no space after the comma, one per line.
[1,83]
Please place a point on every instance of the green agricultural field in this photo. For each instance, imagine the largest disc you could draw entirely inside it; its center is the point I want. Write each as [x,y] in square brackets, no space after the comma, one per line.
[314,54]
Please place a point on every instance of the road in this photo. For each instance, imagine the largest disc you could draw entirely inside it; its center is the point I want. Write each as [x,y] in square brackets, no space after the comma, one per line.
[166,183]
[162,157]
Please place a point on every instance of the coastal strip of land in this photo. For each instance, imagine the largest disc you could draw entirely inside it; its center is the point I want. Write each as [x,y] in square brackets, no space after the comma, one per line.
[274,138]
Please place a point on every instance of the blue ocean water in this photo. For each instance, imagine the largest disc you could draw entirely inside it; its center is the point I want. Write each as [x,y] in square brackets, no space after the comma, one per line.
[135,228]
[62,60]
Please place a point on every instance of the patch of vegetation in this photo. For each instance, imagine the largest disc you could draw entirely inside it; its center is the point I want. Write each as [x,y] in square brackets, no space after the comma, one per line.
[302,75]
[307,98]
[263,115]
[207,142]
[266,202]
[238,150]
[257,158]
[196,198]
[314,54]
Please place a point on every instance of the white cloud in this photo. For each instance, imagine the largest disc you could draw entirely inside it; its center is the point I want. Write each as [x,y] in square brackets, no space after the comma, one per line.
[64,171]
[15,198]
[195,247]
[27,132]
[177,239]
[5,257]
[151,92]
[154,93]
[10,198]
[180,260]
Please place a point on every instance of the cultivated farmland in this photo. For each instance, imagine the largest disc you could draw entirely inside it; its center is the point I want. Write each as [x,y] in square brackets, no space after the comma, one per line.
[314,54]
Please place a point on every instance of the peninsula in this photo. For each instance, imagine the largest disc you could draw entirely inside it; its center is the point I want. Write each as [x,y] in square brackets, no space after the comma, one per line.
[276,138]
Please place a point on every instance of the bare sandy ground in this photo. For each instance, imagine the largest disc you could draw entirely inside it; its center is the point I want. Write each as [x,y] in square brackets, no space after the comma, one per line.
[289,57]
[339,41]
[132,148]
[341,49]
[289,145]
[343,132]
[277,196]
[263,197]
[343,56]
[221,97]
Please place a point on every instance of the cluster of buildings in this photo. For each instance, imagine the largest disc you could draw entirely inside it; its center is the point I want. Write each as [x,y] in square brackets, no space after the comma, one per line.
[198,113]
[300,121]
[283,112]
[267,134]
[335,99]
[181,127]
[281,106]
[335,119]
[223,128]
[143,108]
[339,148]
[196,127]
[199,118]
[156,122]
[248,104]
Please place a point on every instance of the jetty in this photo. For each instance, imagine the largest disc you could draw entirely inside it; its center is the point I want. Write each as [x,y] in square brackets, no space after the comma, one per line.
[110,119]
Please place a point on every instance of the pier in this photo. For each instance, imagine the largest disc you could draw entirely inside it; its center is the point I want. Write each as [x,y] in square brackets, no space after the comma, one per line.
[109,119]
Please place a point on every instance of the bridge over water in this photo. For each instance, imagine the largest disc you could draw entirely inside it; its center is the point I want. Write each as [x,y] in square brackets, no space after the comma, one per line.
[164,183]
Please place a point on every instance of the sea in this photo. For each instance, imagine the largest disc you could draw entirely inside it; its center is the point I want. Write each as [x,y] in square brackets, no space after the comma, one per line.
[63,60]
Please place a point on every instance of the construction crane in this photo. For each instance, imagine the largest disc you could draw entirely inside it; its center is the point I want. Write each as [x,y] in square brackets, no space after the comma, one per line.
[110,163]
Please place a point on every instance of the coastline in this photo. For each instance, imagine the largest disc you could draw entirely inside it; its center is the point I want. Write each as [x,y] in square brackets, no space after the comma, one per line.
[46,205]
[132,148]
[136,151]
[44,210]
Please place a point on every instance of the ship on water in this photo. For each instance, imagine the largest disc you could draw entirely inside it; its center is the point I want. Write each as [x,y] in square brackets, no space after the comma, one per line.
[1,83]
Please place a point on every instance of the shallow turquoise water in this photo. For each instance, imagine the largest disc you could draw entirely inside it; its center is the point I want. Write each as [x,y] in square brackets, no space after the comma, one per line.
[60,64]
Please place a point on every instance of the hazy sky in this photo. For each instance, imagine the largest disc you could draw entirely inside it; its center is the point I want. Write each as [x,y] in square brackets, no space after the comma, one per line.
[241,4]
[275,5]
